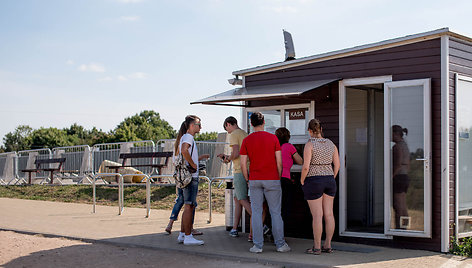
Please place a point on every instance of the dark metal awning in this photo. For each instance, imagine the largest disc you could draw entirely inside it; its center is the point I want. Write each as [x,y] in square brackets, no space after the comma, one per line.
[263,92]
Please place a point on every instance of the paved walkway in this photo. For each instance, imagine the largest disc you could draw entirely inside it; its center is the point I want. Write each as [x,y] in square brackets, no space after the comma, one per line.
[132,229]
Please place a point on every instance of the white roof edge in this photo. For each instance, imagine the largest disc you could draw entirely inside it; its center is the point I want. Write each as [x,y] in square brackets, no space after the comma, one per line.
[349,51]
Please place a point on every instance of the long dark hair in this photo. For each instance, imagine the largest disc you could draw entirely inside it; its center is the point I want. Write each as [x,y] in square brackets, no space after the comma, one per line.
[189,119]
[399,130]
[283,134]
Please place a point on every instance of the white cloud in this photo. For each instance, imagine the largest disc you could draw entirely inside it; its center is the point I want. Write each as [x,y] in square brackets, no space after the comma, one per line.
[130,18]
[105,79]
[92,67]
[69,62]
[138,75]
[122,78]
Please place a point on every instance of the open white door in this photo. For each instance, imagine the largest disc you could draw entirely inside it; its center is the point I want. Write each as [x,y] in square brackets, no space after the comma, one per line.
[407,158]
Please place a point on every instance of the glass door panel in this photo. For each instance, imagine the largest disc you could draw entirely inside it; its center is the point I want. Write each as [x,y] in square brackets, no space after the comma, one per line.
[464,155]
[407,158]
[364,159]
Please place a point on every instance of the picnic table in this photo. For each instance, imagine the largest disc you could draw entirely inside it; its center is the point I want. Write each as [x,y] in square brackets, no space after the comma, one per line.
[44,165]
[151,155]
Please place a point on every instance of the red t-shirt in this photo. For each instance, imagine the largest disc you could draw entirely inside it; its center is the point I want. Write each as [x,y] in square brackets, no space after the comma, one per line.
[260,147]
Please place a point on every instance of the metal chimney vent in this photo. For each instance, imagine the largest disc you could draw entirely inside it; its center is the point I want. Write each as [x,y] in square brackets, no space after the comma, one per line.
[289,48]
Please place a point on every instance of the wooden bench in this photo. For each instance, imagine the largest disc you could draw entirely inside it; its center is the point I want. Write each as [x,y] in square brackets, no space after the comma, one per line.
[40,162]
[151,155]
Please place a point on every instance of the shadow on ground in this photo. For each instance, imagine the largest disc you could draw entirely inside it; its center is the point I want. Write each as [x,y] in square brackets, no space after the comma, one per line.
[102,255]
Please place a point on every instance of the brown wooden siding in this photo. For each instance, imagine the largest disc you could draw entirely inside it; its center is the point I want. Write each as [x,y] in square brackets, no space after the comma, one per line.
[460,61]
[413,61]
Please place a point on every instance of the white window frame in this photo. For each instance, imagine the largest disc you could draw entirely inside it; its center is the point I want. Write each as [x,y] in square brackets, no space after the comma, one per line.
[426,83]
[295,138]
[467,234]
[342,152]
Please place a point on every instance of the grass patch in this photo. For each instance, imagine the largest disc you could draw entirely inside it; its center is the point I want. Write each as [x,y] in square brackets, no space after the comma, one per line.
[162,197]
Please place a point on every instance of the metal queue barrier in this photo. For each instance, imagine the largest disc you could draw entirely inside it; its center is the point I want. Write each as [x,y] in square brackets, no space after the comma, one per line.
[148,190]
[120,184]
[148,179]
[121,189]
[210,182]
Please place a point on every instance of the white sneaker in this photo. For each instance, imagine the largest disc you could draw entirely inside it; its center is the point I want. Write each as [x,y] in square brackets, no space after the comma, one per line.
[191,241]
[284,248]
[181,238]
[233,233]
[255,249]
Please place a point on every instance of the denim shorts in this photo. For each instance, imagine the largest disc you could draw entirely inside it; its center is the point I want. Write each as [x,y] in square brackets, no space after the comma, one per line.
[190,192]
[316,186]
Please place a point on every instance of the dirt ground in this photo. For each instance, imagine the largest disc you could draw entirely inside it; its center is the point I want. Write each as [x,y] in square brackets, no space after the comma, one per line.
[21,250]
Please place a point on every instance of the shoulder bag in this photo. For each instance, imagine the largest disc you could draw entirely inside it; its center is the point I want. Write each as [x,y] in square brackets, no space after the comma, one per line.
[182,173]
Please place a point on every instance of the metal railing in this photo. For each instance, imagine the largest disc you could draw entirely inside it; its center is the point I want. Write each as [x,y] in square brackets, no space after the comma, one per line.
[210,182]
[120,184]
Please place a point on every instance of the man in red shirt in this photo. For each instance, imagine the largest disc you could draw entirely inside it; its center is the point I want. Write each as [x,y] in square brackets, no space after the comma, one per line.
[263,151]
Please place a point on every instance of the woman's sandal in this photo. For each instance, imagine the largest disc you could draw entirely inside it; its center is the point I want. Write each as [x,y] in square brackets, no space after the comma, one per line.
[314,251]
[249,238]
[326,250]
[196,232]
[169,228]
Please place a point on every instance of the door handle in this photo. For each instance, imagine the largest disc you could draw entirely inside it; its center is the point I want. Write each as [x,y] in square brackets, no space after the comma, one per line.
[426,161]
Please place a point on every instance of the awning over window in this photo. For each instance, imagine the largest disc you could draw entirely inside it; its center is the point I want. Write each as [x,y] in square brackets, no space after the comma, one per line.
[264,92]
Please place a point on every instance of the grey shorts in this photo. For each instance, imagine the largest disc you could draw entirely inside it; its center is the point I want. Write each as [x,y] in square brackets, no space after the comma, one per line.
[240,186]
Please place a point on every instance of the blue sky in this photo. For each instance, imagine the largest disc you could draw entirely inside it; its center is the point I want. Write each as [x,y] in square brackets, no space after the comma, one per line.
[96,62]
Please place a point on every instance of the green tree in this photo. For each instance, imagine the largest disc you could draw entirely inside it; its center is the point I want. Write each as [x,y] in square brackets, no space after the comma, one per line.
[95,136]
[78,135]
[49,138]
[146,125]
[206,136]
[18,140]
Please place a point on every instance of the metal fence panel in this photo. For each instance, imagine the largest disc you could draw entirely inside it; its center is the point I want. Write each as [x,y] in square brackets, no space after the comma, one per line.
[166,145]
[143,147]
[7,167]
[214,166]
[78,161]
[112,151]
[26,161]
[105,151]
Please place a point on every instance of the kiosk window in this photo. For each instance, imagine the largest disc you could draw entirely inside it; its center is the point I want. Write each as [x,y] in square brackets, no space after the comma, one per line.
[272,120]
[296,121]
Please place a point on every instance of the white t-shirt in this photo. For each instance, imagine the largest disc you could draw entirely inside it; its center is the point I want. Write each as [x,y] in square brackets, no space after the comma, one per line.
[187,138]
